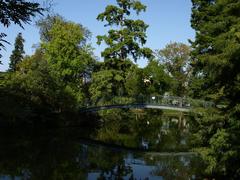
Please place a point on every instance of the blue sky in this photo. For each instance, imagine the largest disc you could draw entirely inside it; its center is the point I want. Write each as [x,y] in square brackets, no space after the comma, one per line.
[168,20]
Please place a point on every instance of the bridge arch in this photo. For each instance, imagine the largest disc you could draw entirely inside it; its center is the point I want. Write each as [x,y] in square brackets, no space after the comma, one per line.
[147,102]
[135,106]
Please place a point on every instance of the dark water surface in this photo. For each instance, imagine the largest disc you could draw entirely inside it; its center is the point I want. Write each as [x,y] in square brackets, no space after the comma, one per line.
[158,150]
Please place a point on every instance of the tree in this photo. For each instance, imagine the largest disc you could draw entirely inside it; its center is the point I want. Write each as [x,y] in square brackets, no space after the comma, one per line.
[107,83]
[17,53]
[68,54]
[17,12]
[102,86]
[124,43]
[157,81]
[34,93]
[129,37]
[134,82]
[216,54]
[176,59]
[45,25]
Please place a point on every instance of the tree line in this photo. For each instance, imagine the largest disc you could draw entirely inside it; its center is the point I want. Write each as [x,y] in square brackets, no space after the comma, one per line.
[63,73]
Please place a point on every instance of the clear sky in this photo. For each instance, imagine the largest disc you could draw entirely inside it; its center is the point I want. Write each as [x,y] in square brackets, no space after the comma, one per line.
[168,20]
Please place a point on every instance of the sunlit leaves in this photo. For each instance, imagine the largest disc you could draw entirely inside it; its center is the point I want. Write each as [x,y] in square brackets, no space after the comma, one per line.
[176,59]
[129,35]
[67,51]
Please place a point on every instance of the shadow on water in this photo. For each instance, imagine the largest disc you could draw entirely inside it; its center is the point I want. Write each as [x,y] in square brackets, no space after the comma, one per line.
[151,130]
[68,154]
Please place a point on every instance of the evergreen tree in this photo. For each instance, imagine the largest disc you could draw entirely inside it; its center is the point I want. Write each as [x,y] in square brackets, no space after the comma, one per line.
[17,12]
[216,61]
[17,53]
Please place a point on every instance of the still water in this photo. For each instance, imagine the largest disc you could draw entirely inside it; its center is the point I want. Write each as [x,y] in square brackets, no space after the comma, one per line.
[137,148]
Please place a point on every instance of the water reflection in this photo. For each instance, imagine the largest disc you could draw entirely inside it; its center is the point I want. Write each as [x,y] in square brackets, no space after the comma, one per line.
[147,129]
[63,156]
[69,154]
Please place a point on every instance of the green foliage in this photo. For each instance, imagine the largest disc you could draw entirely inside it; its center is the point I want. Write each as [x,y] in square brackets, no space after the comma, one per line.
[68,53]
[216,49]
[216,53]
[160,81]
[102,85]
[45,25]
[176,59]
[17,12]
[129,82]
[151,80]
[110,81]
[124,44]
[126,40]
[32,90]
[17,53]
[134,82]
[54,81]
[106,84]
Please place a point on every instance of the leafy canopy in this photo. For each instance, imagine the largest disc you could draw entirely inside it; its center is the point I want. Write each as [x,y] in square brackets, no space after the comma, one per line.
[129,36]
[176,59]
[160,81]
[66,49]
[68,54]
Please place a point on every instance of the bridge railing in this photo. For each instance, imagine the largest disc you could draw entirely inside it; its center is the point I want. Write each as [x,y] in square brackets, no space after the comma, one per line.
[171,101]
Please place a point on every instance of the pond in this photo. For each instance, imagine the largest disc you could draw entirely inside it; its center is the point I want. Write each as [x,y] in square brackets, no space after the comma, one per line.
[127,145]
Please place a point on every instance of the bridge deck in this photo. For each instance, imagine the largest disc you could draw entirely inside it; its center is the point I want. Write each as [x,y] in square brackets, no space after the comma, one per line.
[135,106]
[145,102]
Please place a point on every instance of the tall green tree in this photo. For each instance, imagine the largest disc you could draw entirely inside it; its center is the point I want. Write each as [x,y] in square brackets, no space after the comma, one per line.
[216,57]
[129,36]
[176,59]
[68,54]
[17,53]
[17,12]
[124,44]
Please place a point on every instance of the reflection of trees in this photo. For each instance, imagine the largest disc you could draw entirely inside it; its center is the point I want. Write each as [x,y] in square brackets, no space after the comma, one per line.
[174,167]
[128,127]
[40,158]
[108,162]
[62,156]
[57,157]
